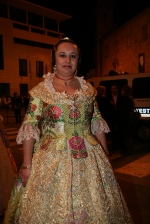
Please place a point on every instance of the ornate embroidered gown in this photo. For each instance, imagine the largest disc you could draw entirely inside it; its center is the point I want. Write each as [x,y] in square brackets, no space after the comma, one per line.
[71,181]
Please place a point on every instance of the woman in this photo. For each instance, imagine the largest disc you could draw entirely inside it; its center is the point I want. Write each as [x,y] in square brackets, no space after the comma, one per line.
[106,108]
[16,106]
[68,179]
[128,120]
[8,169]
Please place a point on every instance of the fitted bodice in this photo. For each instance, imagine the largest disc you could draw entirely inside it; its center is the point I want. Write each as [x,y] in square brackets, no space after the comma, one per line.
[65,119]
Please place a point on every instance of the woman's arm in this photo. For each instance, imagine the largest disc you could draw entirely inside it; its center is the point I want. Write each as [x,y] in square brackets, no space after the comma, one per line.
[27,160]
[29,133]
[99,127]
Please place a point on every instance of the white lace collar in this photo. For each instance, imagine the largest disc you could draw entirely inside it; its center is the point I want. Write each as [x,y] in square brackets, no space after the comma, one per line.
[48,83]
[46,91]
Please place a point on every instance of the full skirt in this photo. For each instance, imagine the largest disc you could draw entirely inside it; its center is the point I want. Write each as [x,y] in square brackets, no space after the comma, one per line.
[64,190]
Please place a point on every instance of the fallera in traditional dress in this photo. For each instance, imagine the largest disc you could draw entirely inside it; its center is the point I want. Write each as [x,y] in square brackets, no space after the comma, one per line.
[71,181]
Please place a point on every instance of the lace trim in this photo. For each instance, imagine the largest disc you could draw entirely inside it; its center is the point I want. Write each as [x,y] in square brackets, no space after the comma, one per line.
[46,91]
[99,125]
[48,83]
[26,132]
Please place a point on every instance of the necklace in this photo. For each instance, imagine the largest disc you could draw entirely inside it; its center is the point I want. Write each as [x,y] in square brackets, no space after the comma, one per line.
[65,80]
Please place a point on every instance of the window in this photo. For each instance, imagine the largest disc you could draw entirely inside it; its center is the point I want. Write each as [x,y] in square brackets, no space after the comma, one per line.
[32,43]
[18,15]
[1,53]
[3,10]
[39,69]
[140,87]
[20,27]
[53,34]
[34,30]
[50,24]
[4,89]
[35,20]
[23,71]
[23,89]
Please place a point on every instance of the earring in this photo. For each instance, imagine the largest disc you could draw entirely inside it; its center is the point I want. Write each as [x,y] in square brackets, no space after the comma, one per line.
[75,74]
[55,69]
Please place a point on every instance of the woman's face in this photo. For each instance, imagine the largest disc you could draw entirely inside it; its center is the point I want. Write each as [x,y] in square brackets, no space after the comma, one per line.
[114,90]
[66,59]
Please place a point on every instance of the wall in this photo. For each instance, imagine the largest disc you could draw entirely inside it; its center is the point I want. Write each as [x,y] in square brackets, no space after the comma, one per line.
[122,46]
[13,52]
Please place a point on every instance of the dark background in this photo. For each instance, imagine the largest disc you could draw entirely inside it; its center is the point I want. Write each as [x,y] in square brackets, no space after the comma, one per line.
[82,26]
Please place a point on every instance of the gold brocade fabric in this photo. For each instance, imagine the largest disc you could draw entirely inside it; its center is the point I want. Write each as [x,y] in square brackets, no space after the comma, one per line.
[72,181]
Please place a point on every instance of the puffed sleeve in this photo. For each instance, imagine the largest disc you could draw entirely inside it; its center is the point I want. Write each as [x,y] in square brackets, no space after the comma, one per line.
[29,128]
[97,122]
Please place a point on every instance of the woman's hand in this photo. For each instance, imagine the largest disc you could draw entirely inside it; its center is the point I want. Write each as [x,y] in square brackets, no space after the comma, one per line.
[24,174]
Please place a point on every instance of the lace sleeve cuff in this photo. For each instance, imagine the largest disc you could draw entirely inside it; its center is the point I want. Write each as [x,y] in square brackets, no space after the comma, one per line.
[26,132]
[99,125]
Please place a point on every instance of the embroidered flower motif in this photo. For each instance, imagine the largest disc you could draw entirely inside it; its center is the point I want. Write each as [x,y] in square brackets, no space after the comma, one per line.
[54,112]
[33,107]
[76,143]
[74,114]
[38,117]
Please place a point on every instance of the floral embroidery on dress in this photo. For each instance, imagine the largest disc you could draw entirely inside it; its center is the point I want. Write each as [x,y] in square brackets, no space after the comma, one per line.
[55,112]
[38,117]
[33,107]
[78,147]
[74,114]
[58,170]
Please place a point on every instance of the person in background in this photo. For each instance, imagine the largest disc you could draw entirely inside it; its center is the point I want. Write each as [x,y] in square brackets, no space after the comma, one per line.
[26,102]
[66,176]
[107,110]
[127,123]
[3,101]
[8,169]
[115,99]
[16,106]
[103,103]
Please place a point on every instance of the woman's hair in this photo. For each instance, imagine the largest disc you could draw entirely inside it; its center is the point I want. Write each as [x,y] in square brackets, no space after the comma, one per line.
[101,91]
[127,90]
[66,40]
